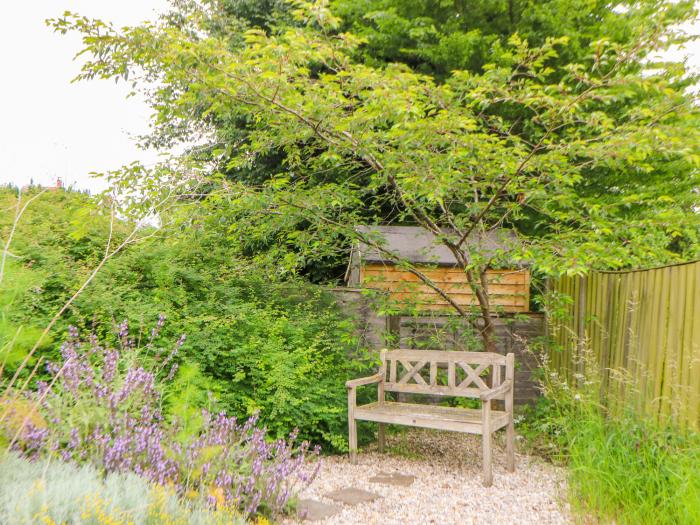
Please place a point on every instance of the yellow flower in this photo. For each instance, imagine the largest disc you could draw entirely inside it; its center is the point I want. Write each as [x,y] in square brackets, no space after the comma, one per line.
[218,494]
[15,411]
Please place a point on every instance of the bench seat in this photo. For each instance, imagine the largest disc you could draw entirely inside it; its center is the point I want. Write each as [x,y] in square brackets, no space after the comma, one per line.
[429,416]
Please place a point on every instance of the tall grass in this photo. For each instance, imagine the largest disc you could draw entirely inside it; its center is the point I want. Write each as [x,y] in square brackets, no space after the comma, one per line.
[623,468]
[634,472]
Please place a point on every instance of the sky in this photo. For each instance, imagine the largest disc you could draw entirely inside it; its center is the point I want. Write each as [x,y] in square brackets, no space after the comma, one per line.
[54,129]
[50,127]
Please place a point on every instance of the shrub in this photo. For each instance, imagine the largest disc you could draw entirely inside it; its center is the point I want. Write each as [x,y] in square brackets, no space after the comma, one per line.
[283,350]
[259,340]
[287,362]
[104,407]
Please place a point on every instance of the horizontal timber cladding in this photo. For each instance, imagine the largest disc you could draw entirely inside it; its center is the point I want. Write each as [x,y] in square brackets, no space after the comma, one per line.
[509,290]
[641,329]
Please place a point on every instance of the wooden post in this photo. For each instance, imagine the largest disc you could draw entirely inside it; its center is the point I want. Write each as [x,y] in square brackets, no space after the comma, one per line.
[393,331]
[352,424]
[381,398]
[486,442]
[496,380]
[380,438]
[510,429]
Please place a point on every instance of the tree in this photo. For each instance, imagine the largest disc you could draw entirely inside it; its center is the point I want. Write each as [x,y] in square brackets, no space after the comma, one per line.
[517,145]
[439,36]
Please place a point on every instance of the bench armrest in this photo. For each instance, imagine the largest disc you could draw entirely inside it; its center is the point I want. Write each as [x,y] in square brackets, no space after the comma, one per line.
[376,378]
[495,392]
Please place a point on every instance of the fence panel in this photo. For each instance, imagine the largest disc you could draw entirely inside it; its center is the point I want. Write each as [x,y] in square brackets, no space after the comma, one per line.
[642,328]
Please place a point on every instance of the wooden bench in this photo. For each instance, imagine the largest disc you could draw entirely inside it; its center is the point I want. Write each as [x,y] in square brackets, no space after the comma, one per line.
[459,374]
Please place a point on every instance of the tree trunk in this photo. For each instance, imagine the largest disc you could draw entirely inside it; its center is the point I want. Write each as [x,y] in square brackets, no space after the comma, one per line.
[480,287]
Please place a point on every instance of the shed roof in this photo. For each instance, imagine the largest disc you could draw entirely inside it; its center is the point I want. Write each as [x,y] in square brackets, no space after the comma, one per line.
[418,245]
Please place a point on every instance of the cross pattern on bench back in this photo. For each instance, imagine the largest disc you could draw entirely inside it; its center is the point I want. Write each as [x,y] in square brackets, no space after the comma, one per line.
[463,374]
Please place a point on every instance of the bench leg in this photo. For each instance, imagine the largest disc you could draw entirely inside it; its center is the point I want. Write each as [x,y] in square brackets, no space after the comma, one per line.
[510,432]
[488,473]
[486,443]
[510,446]
[352,425]
[380,437]
[352,438]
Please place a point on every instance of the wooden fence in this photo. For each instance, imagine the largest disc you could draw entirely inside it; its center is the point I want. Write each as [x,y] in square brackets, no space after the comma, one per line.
[642,330]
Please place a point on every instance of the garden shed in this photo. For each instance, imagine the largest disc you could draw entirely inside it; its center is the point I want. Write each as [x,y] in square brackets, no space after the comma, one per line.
[369,267]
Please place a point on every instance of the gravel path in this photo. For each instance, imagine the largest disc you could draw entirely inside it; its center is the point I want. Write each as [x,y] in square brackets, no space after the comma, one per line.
[447,489]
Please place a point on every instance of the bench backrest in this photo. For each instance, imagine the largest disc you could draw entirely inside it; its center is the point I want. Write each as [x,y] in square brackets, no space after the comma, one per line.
[461,374]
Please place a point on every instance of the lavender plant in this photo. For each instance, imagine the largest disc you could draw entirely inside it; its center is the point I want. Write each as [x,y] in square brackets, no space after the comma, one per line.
[104,406]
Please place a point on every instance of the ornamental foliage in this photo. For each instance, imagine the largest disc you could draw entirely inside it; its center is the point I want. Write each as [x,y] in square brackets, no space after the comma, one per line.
[104,406]
[282,348]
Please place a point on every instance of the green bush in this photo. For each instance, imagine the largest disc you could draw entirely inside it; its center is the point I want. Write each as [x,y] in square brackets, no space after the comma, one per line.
[290,363]
[257,342]
[281,348]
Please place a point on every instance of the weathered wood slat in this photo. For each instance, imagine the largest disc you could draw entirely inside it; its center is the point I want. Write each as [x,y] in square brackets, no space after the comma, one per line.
[437,390]
[443,274]
[413,372]
[495,289]
[448,309]
[472,375]
[508,289]
[437,417]
[427,300]
[489,358]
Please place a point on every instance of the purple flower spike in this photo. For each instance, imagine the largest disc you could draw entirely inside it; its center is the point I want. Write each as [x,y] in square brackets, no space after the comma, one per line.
[226,462]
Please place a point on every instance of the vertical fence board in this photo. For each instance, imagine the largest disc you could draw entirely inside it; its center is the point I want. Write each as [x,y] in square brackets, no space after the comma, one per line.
[654,299]
[638,347]
[687,356]
[661,342]
[693,344]
[672,386]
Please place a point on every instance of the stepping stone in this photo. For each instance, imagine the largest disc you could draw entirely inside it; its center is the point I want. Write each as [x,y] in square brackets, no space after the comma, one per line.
[351,496]
[393,478]
[312,510]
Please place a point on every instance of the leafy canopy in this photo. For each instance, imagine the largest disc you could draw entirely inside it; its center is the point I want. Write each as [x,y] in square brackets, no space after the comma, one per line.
[589,153]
